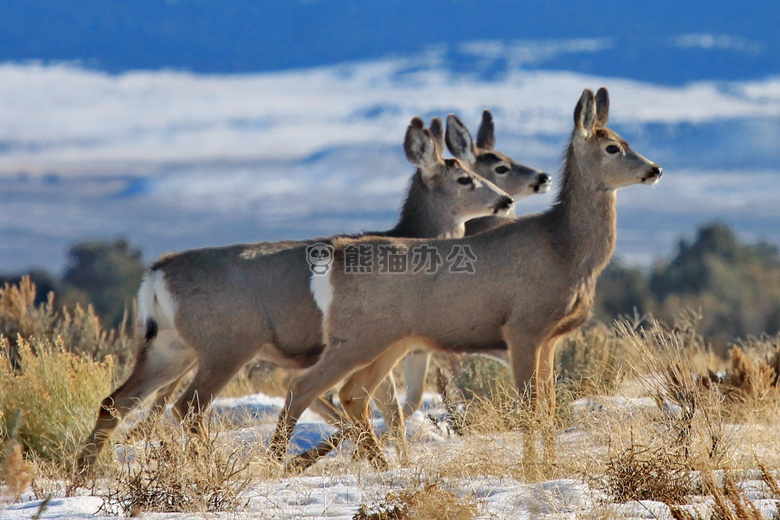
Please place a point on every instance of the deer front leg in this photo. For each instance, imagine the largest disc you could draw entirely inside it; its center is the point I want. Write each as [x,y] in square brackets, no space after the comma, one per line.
[523,349]
[415,368]
[545,378]
[336,363]
[355,396]
[525,346]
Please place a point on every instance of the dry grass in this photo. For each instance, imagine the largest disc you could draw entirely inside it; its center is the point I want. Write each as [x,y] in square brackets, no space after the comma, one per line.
[729,502]
[700,414]
[590,362]
[78,328]
[170,470]
[648,473]
[58,393]
[431,502]
[262,377]
[16,473]
[675,366]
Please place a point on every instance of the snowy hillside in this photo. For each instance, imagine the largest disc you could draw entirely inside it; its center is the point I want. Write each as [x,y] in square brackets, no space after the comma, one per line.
[175,160]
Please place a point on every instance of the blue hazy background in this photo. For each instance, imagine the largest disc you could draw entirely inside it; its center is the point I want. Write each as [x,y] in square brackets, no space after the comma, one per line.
[193,123]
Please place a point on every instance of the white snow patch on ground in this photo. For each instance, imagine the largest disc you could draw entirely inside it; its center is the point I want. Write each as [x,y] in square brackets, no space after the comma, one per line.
[338,496]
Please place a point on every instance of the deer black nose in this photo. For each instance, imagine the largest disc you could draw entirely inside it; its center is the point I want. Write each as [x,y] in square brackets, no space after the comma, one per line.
[505,203]
[657,171]
[544,178]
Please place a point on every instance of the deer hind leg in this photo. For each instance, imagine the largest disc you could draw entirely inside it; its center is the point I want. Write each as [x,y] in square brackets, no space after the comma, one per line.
[157,407]
[211,376]
[160,361]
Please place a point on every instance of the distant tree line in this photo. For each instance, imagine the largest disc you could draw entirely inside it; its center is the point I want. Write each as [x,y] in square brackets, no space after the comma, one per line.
[104,274]
[734,286]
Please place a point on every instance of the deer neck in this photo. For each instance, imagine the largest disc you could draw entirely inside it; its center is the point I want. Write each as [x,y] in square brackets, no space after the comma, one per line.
[478,225]
[422,217]
[587,219]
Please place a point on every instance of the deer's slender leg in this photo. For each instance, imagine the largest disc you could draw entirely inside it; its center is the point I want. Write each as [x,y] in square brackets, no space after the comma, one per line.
[355,397]
[211,377]
[158,405]
[415,368]
[159,361]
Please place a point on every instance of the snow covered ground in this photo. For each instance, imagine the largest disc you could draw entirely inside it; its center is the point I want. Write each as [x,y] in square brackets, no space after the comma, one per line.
[339,491]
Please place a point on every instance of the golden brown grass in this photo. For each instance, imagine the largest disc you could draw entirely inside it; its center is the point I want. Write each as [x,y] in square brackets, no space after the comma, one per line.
[16,473]
[55,367]
[591,361]
[729,502]
[700,414]
[172,470]
[431,502]
[79,327]
[58,393]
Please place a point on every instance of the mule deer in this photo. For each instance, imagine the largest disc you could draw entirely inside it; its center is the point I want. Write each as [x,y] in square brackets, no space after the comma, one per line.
[519,182]
[533,282]
[218,308]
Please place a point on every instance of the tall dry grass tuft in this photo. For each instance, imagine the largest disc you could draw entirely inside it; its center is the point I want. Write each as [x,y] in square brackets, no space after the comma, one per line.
[431,502]
[57,392]
[79,328]
[646,451]
[55,367]
[172,470]
[675,365]
[590,362]
[16,474]
[750,383]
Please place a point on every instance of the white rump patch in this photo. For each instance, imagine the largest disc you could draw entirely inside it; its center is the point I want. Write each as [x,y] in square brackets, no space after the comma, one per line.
[155,301]
[322,290]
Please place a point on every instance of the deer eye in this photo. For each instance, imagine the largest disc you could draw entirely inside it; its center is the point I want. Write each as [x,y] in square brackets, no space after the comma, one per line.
[502,169]
[466,181]
[613,149]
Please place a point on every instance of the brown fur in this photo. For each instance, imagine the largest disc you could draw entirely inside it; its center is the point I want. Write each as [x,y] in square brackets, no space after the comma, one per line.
[535,280]
[519,181]
[239,302]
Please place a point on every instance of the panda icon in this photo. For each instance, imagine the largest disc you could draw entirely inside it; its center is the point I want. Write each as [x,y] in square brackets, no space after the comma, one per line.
[319,256]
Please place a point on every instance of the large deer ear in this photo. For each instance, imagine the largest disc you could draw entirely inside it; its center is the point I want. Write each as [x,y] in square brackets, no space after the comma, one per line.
[602,107]
[437,132]
[420,149]
[585,114]
[486,136]
[459,141]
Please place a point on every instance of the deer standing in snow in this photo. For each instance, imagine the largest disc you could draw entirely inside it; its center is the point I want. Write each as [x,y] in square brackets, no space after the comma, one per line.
[534,282]
[215,309]
[495,166]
